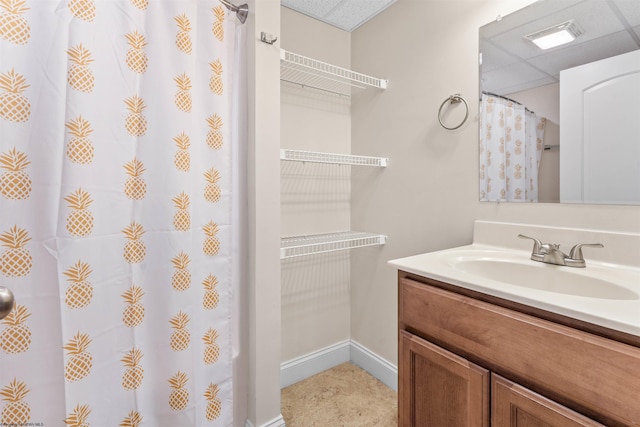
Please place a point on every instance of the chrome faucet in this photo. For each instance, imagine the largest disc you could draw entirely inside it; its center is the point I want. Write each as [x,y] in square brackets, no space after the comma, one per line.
[550,253]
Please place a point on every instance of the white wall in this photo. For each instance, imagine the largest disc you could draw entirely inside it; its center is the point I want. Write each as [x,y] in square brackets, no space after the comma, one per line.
[315,198]
[263,329]
[427,198]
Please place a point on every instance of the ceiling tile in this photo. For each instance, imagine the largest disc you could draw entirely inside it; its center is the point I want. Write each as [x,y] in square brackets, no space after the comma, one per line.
[314,8]
[630,10]
[595,50]
[493,57]
[595,18]
[350,14]
[509,78]
[344,14]
[610,28]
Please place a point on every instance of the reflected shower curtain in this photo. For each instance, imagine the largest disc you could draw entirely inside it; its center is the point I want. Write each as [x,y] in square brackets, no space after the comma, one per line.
[116,128]
[510,150]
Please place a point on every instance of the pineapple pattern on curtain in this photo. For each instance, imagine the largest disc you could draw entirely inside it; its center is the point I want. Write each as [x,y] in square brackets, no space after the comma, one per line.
[115,225]
[511,140]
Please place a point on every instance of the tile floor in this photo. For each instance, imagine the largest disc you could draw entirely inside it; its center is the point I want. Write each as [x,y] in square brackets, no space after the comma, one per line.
[344,396]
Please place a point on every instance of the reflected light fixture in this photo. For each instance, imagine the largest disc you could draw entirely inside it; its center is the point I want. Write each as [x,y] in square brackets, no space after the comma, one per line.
[555,36]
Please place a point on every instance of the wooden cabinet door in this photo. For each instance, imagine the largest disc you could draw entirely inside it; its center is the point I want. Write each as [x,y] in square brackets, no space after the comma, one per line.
[438,388]
[515,406]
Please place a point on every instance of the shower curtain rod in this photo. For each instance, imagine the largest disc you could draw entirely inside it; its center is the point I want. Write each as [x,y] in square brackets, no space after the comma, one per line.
[507,99]
[241,11]
[500,96]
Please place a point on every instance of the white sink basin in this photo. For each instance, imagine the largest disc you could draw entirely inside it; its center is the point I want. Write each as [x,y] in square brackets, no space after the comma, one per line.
[543,277]
[602,293]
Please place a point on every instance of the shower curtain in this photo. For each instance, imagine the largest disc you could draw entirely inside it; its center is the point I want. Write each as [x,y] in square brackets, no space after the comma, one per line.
[117,130]
[511,142]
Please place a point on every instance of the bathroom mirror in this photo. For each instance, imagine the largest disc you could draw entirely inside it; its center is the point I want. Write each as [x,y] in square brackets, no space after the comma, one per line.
[512,67]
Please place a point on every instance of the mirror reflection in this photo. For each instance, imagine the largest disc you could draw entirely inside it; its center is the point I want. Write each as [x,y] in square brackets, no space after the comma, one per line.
[561,122]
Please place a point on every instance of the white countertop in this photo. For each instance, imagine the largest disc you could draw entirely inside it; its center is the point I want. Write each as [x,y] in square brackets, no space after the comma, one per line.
[619,311]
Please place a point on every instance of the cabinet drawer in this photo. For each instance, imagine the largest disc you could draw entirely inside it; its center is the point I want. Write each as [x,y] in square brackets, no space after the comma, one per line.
[592,375]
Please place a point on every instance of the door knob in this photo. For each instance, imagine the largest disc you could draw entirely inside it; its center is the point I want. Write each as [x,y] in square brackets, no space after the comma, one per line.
[6,302]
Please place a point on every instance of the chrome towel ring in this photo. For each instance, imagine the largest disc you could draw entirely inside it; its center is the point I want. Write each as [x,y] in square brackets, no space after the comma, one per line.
[454,99]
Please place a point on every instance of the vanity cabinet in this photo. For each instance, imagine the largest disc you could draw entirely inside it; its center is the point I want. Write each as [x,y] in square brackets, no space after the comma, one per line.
[468,359]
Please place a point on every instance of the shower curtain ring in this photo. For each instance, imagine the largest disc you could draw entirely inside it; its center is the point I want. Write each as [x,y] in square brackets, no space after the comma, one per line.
[454,99]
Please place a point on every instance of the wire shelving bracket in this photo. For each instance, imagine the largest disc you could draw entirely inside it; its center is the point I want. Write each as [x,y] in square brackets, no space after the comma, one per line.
[308,72]
[296,246]
[332,158]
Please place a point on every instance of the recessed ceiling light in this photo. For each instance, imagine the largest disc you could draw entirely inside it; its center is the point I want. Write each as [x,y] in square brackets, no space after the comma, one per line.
[555,36]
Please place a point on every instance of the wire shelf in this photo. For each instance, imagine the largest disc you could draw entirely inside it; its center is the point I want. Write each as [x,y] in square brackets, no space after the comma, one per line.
[333,158]
[296,246]
[316,74]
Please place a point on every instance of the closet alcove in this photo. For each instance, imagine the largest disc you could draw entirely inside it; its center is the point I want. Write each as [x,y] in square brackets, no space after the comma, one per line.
[316,172]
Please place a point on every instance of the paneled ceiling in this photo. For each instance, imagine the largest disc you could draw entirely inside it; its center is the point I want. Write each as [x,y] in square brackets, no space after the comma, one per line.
[511,63]
[344,14]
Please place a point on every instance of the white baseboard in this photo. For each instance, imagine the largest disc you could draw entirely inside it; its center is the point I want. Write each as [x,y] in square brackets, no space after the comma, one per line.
[380,368]
[310,364]
[276,422]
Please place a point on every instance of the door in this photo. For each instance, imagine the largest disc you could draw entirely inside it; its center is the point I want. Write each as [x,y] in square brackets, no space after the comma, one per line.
[599,150]
[438,388]
[515,406]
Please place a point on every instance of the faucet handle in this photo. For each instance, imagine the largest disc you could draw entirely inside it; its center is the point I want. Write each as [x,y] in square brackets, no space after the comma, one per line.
[537,244]
[576,251]
[538,248]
